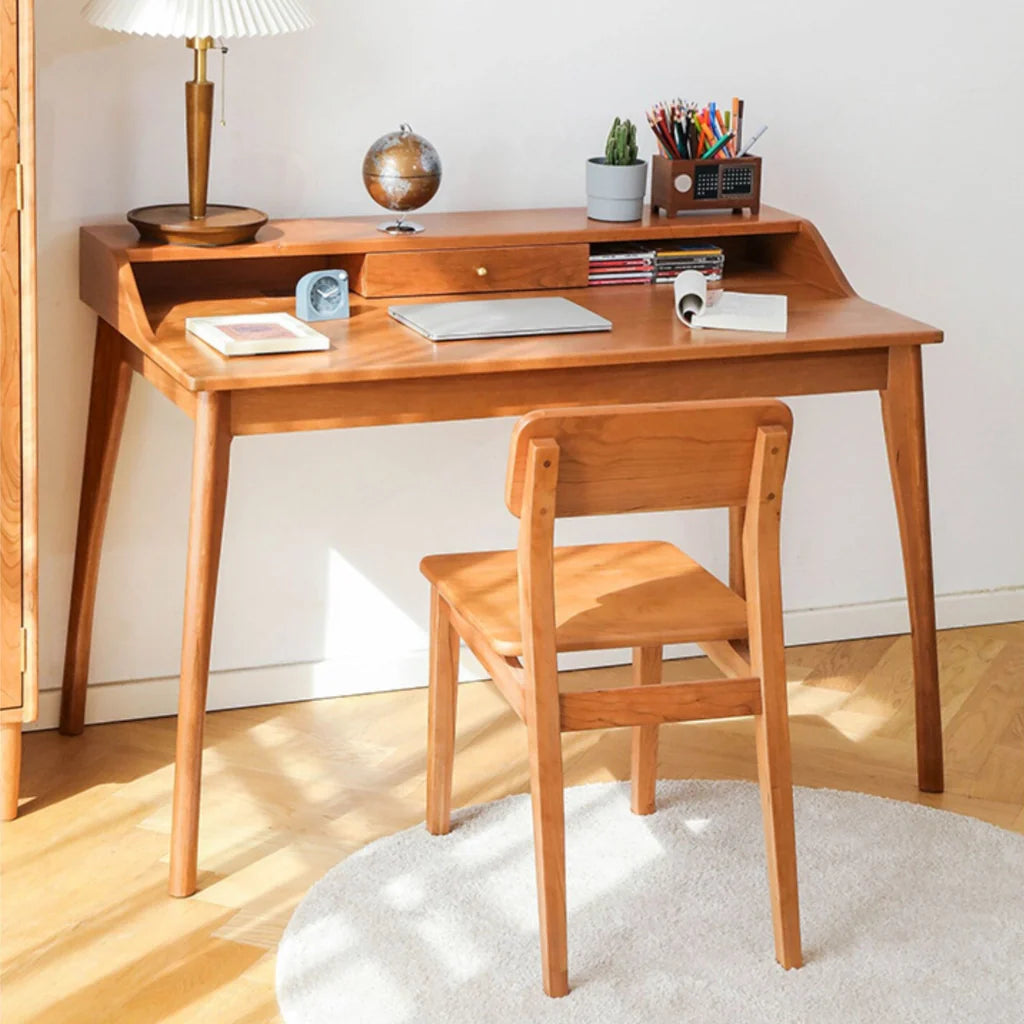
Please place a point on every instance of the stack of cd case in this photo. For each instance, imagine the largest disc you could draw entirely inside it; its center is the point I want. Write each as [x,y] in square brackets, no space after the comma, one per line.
[672,259]
[621,264]
[637,263]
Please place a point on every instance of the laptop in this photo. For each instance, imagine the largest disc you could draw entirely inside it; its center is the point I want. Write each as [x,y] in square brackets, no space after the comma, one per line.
[498,318]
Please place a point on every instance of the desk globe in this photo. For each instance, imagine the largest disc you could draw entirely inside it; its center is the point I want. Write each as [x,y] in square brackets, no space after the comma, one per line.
[402,172]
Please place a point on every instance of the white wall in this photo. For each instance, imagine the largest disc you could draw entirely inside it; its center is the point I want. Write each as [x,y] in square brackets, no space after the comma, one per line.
[872,107]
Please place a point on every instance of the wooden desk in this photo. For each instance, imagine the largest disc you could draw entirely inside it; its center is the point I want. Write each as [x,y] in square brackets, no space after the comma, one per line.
[377,371]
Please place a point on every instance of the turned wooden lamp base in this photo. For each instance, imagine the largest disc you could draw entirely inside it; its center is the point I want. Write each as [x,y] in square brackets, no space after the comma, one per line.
[222,225]
[196,222]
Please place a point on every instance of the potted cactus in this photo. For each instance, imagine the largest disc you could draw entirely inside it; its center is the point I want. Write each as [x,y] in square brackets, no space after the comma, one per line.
[617,181]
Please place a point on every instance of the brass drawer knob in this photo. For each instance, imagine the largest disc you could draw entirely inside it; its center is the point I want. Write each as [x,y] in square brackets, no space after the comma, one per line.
[481,271]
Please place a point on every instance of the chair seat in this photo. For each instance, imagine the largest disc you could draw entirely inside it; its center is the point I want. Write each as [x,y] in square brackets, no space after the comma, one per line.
[640,594]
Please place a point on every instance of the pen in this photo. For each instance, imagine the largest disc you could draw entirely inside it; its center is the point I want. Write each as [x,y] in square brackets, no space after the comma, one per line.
[712,120]
[680,135]
[737,124]
[707,132]
[757,135]
[720,144]
[663,138]
[666,128]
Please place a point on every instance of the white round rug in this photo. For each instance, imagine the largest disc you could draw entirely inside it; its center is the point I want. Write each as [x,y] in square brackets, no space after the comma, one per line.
[909,915]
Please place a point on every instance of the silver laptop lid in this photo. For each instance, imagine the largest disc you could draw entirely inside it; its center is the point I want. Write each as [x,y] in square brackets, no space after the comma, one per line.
[498,318]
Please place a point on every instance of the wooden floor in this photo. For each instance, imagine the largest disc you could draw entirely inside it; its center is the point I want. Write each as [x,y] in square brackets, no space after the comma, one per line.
[90,936]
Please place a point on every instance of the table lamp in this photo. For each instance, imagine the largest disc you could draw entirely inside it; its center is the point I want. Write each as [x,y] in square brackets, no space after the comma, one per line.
[199,22]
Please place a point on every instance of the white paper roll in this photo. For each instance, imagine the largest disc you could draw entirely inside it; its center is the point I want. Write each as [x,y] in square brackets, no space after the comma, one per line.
[691,290]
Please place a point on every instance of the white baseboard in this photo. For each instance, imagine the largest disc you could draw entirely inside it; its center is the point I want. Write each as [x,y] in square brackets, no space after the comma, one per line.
[888,618]
[277,684]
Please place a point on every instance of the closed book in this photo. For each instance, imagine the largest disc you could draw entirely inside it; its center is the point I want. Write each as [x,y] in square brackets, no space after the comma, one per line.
[253,334]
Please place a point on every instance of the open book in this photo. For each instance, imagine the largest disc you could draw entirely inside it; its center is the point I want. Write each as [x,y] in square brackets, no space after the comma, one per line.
[732,311]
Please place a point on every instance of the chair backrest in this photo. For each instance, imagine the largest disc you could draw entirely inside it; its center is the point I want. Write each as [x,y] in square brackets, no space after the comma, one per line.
[646,458]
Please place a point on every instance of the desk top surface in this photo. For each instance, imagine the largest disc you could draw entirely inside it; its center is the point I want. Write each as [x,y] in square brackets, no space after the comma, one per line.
[372,346]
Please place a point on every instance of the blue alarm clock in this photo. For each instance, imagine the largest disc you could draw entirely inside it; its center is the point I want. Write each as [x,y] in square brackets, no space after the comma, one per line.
[322,295]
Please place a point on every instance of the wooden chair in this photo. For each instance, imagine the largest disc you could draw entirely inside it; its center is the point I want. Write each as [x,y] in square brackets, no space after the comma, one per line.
[517,609]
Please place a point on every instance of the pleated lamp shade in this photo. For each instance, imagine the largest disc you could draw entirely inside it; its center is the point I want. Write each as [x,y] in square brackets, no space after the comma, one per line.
[222,19]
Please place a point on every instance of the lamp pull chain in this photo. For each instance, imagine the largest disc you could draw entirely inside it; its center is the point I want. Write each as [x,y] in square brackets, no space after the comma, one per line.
[223,83]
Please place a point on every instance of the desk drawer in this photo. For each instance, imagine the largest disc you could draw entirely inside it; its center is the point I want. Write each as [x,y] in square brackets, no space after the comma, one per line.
[451,271]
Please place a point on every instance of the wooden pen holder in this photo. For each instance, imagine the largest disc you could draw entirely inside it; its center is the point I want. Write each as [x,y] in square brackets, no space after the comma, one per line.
[678,185]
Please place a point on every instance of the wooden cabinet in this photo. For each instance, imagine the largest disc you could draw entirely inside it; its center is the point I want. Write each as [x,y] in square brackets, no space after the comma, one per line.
[18,575]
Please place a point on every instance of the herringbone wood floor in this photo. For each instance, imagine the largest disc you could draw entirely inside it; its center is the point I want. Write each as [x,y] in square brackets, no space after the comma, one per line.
[89,934]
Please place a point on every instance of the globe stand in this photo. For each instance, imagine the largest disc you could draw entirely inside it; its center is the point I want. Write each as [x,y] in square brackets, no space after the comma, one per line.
[400,226]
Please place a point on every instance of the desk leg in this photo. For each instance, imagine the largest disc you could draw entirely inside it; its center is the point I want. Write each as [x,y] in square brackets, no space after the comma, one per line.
[209,493]
[903,418]
[108,401]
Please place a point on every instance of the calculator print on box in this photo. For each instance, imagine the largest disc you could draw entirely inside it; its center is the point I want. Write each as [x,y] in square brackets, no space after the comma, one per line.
[679,185]
[322,295]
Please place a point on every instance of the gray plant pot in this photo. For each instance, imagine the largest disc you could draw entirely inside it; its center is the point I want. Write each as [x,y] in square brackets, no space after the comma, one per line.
[615,192]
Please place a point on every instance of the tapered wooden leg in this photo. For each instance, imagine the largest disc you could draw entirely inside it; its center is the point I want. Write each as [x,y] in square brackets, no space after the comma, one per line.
[542,707]
[775,777]
[736,577]
[108,400]
[444,677]
[903,418]
[209,493]
[546,790]
[768,661]
[10,769]
[647,671]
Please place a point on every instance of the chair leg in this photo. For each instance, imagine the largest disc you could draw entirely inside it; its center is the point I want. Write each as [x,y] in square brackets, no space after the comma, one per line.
[444,677]
[763,585]
[737,579]
[647,668]
[775,776]
[548,797]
